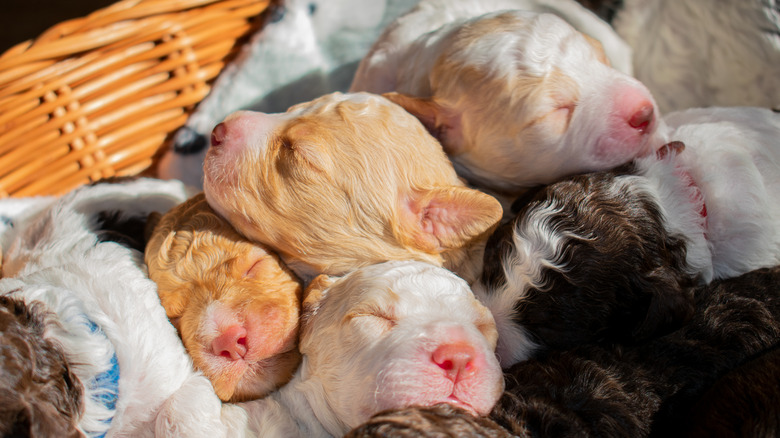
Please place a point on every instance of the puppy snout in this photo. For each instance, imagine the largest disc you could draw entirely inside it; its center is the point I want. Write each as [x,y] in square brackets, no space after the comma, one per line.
[231,343]
[218,135]
[635,107]
[455,359]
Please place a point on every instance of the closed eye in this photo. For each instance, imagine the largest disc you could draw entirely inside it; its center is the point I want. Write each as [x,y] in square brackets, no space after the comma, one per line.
[386,322]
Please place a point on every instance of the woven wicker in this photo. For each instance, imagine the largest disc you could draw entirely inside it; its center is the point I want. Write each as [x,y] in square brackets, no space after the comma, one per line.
[99,96]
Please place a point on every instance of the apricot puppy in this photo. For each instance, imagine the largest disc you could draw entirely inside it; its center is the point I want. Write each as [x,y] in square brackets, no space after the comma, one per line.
[343,181]
[234,304]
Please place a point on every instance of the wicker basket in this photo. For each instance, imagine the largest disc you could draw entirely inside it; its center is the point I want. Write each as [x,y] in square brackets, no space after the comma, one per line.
[100,96]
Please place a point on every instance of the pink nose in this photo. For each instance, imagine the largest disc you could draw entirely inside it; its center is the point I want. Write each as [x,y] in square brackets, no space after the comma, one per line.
[454,359]
[231,343]
[642,116]
[218,134]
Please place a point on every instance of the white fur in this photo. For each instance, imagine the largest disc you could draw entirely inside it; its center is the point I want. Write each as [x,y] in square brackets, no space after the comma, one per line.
[368,346]
[733,157]
[54,257]
[701,53]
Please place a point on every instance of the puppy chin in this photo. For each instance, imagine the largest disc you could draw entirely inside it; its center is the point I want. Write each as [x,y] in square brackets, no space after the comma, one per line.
[238,381]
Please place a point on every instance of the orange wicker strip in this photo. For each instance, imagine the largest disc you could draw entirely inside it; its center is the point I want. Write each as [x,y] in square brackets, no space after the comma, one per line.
[100,96]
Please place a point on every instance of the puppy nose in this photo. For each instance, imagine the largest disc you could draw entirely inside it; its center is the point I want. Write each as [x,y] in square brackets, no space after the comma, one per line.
[642,116]
[218,135]
[231,343]
[454,359]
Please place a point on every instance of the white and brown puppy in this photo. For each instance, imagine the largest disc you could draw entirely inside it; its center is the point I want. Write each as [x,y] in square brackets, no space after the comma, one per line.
[343,181]
[101,312]
[609,255]
[233,302]
[517,97]
[384,336]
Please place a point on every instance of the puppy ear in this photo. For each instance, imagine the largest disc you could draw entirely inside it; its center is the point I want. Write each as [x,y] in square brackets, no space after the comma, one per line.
[441,219]
[441,122]
[599,48]
[312,298]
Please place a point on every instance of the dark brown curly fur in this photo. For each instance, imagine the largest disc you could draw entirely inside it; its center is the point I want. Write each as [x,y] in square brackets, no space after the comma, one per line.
[39,395]
[438,421]
[744,403]
[648,389]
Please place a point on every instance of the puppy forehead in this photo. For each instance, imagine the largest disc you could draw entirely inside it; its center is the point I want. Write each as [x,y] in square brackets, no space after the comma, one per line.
[529,42]
[407,287]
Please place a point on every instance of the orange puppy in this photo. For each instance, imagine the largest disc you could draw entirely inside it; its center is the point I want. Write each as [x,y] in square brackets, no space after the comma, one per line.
[234,304]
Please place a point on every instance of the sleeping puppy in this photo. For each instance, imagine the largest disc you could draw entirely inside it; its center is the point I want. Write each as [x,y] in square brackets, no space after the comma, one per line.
[517,98]
[385,336]
[102,313]
[234,304]
[345,180]
[608,256]
[643,390]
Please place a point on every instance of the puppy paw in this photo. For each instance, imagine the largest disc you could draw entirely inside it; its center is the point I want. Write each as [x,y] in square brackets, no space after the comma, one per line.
[192,411]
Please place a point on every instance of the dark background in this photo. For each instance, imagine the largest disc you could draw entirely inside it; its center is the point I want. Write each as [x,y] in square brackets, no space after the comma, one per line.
[21,20]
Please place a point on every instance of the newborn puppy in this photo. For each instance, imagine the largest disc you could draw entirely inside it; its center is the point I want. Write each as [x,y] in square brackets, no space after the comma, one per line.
[608,256]
[103,314]
[385,336]
[343,181]
[234,304]
[517,98]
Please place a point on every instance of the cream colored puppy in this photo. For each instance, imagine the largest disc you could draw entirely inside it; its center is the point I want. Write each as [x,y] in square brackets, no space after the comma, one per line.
[517,97]
[385,336]
[343,181]
[235,305]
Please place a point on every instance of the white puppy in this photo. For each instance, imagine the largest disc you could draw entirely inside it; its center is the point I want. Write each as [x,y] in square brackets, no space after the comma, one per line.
[104,311]
[384,336]
[517,98]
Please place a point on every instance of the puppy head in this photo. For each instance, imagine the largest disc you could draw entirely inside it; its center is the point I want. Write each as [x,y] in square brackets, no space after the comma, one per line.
[235,305]
[519,99]
[588,259]
[342,181]
[398,334]
[39,394]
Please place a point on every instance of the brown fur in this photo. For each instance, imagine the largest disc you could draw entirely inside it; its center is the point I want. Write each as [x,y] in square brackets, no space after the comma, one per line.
[197,259]
[39,394]
[438,421]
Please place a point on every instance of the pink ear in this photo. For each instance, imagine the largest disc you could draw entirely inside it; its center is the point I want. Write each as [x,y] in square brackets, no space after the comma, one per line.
[448,218]
[440,122]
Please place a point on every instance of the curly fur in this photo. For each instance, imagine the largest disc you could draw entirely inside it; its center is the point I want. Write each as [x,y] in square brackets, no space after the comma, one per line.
[39,394]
